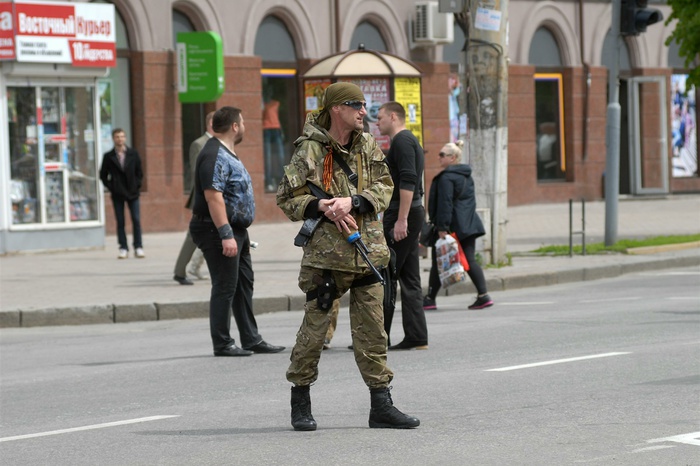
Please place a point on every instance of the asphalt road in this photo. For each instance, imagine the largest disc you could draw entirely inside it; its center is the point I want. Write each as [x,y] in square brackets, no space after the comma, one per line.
[603,372]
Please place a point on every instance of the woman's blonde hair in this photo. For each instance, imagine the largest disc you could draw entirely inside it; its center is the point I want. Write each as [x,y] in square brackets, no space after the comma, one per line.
[455,149]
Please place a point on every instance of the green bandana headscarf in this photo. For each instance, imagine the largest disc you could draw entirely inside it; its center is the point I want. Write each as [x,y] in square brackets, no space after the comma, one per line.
[336,94]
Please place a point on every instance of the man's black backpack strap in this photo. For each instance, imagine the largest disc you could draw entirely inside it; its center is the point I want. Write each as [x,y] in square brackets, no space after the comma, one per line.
[346,168]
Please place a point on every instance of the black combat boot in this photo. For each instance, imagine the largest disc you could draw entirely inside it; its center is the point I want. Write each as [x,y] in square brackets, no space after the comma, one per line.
[302,419]
[384,415]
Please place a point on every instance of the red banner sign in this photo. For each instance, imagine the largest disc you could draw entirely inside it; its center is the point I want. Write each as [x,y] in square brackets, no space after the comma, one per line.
[82,34]
[7,32]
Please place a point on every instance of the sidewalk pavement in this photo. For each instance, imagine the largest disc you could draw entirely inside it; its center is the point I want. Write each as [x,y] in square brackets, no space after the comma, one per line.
[92,286]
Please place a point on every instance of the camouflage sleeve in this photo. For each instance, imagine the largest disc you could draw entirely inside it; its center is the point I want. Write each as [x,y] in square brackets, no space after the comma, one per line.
[379,186]
[292,198]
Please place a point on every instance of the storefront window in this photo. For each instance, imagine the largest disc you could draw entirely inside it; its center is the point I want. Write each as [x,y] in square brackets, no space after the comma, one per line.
[280,101]
[24,160]
[279,124]
[192,114]
[53,166]
[549,118]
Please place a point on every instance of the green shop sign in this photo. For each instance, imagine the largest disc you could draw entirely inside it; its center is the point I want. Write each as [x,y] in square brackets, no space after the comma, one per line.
[200,66]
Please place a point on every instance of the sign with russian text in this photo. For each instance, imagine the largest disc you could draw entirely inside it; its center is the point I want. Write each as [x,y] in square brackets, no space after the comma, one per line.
[82,34]
[407,92]
[200,66]
[7,32]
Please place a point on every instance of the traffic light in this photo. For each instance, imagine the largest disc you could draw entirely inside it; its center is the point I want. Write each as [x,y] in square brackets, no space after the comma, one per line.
[635,17]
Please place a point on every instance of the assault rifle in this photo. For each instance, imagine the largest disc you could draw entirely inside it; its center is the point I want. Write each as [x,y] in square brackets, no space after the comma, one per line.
[311,224]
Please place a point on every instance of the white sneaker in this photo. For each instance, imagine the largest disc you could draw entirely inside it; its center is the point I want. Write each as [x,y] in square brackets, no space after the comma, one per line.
[139,253]
[123,254]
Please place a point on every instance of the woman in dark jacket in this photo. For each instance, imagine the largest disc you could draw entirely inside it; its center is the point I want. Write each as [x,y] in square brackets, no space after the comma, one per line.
[452,209]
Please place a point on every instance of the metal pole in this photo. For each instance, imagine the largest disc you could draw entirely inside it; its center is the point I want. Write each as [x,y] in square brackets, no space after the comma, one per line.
[612,160]
[571,228]
[583,225]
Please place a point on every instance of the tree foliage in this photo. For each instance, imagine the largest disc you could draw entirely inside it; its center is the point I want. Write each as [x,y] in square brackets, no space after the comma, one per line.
[687,35]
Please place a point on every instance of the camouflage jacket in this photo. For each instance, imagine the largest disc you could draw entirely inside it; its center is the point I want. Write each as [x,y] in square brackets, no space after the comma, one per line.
[328,249]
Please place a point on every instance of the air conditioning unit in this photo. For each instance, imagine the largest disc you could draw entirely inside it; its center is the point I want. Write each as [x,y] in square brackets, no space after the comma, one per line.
[432,27]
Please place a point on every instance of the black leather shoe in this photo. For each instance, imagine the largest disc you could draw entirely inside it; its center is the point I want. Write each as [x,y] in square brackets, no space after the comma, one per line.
[183,280]
[265,347]
[408,345]
[233,350]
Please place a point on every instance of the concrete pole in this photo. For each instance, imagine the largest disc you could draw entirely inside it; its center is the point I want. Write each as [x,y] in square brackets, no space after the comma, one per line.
[486,81]
[612,139]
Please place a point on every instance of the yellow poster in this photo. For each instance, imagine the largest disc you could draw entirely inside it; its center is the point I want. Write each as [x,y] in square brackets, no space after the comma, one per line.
[407,93]
[313,91]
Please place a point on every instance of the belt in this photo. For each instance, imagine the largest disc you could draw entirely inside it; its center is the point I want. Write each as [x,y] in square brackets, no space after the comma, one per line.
[202,218]
[367,280]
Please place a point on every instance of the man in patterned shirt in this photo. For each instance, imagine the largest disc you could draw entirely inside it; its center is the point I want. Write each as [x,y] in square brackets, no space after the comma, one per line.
[223,210]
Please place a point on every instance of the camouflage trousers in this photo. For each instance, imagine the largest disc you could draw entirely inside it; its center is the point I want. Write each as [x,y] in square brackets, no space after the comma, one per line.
[367,328]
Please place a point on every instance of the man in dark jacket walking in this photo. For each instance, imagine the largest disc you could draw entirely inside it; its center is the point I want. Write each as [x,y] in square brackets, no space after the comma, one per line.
[122,175]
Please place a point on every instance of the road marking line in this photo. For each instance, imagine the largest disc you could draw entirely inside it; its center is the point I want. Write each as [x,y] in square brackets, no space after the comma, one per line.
[690,439]
[94,426]
[679,298]
[607,300]
[527,303]
[555,361]
[657,447]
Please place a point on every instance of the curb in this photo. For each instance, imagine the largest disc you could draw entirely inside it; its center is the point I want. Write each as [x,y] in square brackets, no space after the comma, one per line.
[663,248]
[123,313]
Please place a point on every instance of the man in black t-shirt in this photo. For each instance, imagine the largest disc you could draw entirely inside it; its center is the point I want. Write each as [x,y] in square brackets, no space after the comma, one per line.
[403,221]
[223,210]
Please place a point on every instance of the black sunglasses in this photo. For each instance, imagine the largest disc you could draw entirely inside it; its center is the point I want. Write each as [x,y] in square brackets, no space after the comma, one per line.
[442,154]
[355,104]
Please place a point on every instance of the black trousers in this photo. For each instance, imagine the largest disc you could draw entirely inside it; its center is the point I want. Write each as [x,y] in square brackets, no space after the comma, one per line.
[415,327]
[231,286]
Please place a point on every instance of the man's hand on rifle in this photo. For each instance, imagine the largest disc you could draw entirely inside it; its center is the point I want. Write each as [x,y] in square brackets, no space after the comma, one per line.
[338,210]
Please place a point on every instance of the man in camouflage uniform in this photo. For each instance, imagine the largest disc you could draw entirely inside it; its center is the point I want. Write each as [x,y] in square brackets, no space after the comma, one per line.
[330,265]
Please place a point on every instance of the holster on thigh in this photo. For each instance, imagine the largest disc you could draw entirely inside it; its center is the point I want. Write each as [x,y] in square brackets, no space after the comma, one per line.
[325,292]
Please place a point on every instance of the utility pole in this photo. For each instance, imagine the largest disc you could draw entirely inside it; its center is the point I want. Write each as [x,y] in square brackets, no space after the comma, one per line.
[629,18]
[612,134]
[485,24]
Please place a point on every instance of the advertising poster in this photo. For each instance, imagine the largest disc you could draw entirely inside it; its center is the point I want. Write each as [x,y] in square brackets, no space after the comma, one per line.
[376,91]
[313,92]
[82,34]
[7,32]
[683,127]
[407,93]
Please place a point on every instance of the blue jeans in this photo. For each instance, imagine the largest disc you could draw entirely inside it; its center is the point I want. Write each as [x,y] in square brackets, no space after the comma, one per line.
[231,285]
[134,210]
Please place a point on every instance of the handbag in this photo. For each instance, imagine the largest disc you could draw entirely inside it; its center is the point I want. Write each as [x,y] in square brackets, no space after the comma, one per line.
[428,235]
[450,268]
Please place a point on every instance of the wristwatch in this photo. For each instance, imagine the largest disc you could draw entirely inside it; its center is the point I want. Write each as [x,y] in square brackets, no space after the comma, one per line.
[356,201]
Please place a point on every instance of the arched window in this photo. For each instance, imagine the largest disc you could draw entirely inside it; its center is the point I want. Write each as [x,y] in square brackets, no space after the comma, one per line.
[280,115]
[608,51]
[544,50]
[114,90]
[366,33]
[549,106]
[192,114]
